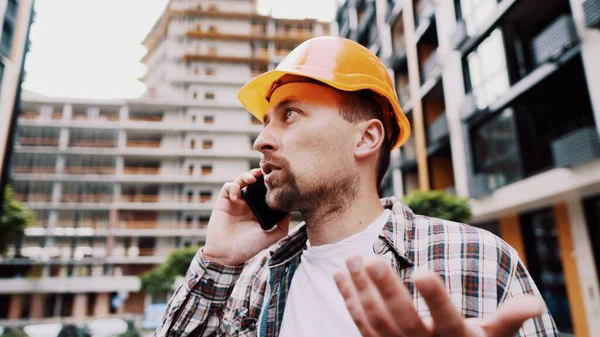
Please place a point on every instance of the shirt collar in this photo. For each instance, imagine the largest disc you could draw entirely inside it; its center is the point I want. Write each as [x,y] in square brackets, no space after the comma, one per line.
[397,235]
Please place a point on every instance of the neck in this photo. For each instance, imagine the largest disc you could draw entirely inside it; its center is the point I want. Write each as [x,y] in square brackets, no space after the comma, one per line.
[332,222]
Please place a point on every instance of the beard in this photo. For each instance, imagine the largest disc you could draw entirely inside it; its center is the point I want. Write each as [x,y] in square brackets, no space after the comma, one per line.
[285,194]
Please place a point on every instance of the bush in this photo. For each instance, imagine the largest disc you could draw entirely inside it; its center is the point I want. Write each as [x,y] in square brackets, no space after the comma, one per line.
[439,204]
[161,278]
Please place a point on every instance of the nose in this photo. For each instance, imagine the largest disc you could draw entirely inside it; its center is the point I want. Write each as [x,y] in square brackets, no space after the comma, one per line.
[266,141]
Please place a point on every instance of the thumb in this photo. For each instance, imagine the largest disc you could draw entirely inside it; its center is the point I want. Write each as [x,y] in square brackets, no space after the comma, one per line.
[511,316]
[280,230]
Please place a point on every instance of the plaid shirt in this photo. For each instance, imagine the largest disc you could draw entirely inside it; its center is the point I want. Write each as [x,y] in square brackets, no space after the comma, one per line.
[480,271]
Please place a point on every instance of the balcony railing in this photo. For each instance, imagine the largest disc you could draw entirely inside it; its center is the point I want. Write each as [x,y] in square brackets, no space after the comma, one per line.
[38,141]
[29,115]
[438,130]
[460,35]
[91,198]
[141,170]
[146,118]
[577,147]
[93,143]
[554,40]
[34,169]
[89,170]
[425,9]
[143,143]
[37,197]
[480,185]
[139,224]
[591,9]
[146,252]
[431,67]
[139,197]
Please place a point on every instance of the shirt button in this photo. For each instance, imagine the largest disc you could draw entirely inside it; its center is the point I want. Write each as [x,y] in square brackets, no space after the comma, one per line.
[210,282]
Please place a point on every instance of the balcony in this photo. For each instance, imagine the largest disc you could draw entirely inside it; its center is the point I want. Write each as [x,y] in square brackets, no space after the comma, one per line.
[142,170]
[144,143]
[89,170]
[34,169]
[37,141]
[215,57]
[438,130]
[29,115]
[146,118]
[424,10]
[554,40]
[70,284]
[431,68]
[95,143]
[35,197]
[591,10]
[479,186]
[460,35]
[146,252]
[577,147]
[86,198]
[139,197]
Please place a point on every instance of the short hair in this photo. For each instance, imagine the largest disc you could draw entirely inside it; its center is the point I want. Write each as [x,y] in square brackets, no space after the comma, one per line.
[362,105]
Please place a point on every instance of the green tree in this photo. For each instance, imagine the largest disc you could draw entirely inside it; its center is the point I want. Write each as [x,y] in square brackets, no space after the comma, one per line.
[13,221]
[161,278]
[439,204]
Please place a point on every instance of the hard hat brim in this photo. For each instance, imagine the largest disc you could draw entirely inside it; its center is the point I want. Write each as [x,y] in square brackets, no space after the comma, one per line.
[253,95]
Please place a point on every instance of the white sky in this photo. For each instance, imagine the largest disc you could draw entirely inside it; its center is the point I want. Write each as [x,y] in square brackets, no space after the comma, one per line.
[92,48]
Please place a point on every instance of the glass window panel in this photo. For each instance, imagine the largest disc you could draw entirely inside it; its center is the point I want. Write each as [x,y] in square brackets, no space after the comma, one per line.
[496,86]
[474,73]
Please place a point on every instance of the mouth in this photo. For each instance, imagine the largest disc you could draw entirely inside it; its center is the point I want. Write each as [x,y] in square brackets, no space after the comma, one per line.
[268,169]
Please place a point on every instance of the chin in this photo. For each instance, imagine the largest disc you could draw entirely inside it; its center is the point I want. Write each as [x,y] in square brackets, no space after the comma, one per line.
[280,199]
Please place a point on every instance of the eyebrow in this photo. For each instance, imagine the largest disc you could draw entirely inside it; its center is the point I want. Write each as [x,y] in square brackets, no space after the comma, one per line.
[280,106]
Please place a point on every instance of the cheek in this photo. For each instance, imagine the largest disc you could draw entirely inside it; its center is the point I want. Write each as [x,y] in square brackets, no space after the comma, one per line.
[320,153]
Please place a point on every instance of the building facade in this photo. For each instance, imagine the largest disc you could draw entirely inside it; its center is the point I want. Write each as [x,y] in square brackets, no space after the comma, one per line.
[504,100]
[17,16]
[118,184]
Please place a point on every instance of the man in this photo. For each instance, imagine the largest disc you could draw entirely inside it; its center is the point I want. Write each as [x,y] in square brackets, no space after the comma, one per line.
[358,265]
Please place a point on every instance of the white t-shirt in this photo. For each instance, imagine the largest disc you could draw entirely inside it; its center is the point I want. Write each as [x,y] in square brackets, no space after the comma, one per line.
[314,306]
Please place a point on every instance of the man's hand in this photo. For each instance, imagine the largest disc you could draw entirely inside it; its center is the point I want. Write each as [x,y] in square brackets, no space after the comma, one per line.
[233,234]
[381,305]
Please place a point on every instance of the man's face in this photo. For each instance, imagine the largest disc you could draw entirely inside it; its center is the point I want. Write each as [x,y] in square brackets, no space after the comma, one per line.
[307,148]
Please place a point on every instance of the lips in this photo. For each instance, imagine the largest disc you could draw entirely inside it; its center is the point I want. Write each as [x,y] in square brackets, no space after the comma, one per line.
[269,171]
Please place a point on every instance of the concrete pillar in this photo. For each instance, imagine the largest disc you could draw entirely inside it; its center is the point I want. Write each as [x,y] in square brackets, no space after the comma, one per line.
[586,267]
[569,264]
[67,111]
[102,305]
[80,305]
[37,306]
[56,192]
[60,163]
[15,307]
[590,53]
[63,139]
[124,113]
[119,164]
[122,139]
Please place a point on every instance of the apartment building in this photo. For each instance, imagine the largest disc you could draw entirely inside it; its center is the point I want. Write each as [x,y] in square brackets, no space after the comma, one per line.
[118,184]
[17,16]
[504,99]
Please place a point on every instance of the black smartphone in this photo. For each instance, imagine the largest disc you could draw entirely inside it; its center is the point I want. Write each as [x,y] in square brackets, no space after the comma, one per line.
[255,196]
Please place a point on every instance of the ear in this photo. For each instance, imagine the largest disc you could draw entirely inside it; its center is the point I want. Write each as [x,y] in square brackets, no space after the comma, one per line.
[371,135]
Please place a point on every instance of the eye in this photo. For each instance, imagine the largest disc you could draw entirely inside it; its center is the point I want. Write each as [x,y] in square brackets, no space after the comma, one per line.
[290,114]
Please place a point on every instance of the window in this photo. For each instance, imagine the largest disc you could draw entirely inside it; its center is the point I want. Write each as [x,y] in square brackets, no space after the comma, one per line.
[475,13]
[209,71]
[195,95]
[207,144]
[192,144]
[209,119]
[1,71]
[487,74]
[495,150]
[12,7]
[206,169]
[7,37]
[194,119]
[209,95]
[188,221]
[191,169]
[205,196]
[540,239]
[190,196]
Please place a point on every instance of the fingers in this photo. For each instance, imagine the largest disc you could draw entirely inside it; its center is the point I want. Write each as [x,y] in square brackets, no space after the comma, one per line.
[374,307]
[350,295]
[232,190]
[397,299]
[280,230]
[447,320]
[511,316]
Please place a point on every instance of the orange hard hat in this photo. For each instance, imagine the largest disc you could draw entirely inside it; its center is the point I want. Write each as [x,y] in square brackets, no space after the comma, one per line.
[340,63]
